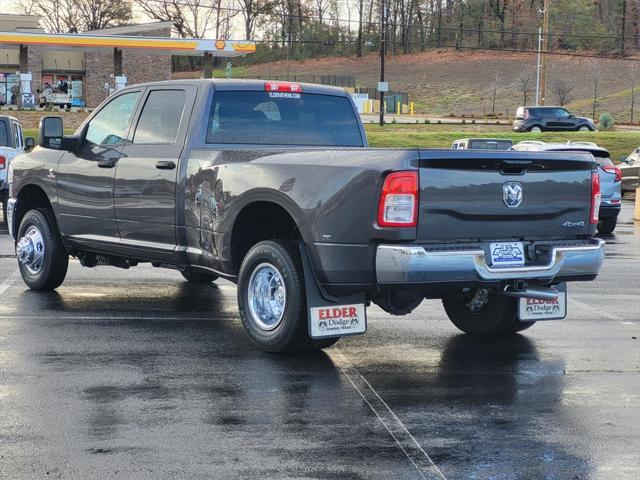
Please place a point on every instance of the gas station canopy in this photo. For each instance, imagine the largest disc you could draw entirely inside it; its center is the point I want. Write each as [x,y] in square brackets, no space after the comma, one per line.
[172,46]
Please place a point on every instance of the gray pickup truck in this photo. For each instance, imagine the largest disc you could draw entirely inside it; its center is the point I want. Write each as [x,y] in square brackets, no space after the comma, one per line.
[271,185]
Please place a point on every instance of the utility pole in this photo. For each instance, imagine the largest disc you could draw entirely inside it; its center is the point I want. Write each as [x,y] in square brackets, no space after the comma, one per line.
[383,51]
[538,67]
[545,48]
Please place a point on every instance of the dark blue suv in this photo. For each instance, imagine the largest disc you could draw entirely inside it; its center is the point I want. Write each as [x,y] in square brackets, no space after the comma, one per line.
[551,119]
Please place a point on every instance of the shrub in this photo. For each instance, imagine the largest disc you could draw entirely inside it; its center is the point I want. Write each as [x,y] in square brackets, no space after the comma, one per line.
[426,120]
[606,121]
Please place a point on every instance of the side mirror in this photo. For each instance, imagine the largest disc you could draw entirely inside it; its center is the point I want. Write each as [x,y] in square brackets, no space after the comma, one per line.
[29,143]
[51,132]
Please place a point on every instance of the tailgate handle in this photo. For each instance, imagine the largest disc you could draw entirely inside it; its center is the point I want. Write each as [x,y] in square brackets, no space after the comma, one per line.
[514,167]
[516,163]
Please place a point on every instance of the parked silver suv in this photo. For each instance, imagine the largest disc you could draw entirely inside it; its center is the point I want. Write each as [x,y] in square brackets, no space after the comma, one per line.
[610,176]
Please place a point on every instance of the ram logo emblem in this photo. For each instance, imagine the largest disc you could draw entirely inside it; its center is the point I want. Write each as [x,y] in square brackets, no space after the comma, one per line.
[512,194]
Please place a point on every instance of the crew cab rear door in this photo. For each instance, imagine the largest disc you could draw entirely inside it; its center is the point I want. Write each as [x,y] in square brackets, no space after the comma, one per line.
[146,176]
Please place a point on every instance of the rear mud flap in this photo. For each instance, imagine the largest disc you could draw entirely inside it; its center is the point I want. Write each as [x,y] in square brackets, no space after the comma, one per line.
[329,316]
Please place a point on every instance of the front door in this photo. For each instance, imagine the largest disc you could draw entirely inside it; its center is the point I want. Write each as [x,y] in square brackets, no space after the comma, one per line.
[85,176]
[145,184]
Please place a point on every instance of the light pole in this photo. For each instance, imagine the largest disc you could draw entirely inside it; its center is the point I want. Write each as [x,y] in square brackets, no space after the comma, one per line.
[538,67]
[383,49]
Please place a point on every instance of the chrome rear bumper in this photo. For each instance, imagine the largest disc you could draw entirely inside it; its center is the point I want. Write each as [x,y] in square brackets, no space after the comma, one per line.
[414,264]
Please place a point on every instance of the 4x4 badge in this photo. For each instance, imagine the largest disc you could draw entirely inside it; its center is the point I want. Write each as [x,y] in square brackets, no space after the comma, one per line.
[512,194]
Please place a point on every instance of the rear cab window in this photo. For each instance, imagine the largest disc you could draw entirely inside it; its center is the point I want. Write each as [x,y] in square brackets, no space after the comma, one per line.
[490,144]
[4,134]
[282,118]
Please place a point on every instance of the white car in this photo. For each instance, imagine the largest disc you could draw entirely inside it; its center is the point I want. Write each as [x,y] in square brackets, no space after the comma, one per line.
[629,168]
[11,144]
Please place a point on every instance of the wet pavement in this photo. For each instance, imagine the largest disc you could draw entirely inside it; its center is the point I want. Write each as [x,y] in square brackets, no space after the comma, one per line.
[135,374]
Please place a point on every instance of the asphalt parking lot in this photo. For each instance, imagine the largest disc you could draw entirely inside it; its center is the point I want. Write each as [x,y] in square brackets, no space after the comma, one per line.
[137,374]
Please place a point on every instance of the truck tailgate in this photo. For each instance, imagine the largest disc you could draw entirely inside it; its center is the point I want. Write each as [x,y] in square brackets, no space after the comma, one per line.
[472,195]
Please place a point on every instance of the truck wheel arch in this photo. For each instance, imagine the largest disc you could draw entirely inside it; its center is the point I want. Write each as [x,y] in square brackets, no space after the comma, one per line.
[258,220]
[30,197]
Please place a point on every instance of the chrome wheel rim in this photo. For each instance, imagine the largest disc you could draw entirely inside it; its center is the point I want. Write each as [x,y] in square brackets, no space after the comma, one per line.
[536,130]
[30,250]
[267,296]
[584,129]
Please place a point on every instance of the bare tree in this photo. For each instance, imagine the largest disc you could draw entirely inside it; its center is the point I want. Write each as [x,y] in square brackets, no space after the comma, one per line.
[523,83]
[562,90]
[251,11]
[494,93]
[634,77]
[60,16]
[191,18]
[596,77]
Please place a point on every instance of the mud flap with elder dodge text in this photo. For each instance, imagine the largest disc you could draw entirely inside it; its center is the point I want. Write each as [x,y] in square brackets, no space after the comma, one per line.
[533,309]
[328,316]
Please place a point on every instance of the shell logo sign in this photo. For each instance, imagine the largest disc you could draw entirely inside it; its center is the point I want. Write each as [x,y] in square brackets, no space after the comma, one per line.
[220,44]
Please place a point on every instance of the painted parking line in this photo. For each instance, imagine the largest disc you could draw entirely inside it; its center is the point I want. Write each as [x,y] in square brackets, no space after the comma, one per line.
[114,317]
[610,316]
[407,442]
[10,280]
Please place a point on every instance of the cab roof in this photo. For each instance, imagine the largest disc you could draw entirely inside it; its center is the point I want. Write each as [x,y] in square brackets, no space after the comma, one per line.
[246,85]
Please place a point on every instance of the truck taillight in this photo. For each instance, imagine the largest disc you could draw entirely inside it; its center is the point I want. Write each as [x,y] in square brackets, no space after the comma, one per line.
[3,162]
[399,200]
[595,198]
[283,87]
[615,170]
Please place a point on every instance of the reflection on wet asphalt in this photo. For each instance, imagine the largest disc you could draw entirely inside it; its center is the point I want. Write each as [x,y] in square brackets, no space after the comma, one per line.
[135,374]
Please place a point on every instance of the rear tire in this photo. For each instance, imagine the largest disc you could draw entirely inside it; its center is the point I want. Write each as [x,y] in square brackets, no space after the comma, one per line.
[606,226]
[584,128]
[272,299]
[199,277]
[38,234]
[535,129]
[498,314]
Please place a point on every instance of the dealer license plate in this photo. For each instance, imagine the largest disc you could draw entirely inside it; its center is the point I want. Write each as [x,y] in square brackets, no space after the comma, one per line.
[532,310]
[337,321]
[507,254]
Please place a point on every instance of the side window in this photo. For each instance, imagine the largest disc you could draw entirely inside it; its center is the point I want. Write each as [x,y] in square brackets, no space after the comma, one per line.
[109,126]
[17,137]
[160,118]
[20,136]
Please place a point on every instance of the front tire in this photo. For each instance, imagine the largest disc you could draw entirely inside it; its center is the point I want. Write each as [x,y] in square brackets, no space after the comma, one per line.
[535,129]
[479,312]
[584,128]
[42,258]
[272,299]
[606,226]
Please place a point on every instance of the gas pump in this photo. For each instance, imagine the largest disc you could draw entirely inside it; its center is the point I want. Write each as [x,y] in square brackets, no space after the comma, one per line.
[120,82]
[26,97]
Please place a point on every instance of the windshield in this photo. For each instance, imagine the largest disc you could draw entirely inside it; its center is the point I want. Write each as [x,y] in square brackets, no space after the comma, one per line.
[279,118]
